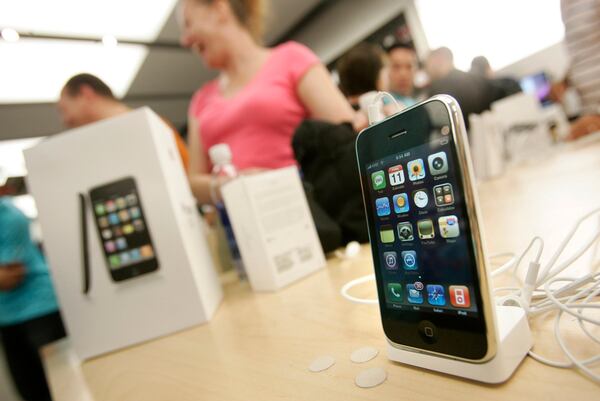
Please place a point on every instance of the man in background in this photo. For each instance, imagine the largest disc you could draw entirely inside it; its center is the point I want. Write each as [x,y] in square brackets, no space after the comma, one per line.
[582,37]
[504,86]
[85,99]
[401,73]
[474,94]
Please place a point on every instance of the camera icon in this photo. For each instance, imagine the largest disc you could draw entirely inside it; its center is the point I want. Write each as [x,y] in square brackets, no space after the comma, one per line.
[438,163]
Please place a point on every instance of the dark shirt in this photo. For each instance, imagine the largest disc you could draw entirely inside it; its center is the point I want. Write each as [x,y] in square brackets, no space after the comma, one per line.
[505,87]
[474,94]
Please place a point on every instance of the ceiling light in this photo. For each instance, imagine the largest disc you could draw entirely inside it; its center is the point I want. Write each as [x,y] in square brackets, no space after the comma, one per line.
[23,81]
[95,19]
[10,35]
[109,41]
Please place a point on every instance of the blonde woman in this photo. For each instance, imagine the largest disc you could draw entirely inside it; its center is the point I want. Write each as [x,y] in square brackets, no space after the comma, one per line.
[260,95]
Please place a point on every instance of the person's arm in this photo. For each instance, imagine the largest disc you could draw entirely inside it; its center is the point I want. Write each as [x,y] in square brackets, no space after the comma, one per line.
[557,91]
[322,98]
[584,125]
[198,174]
[11,276]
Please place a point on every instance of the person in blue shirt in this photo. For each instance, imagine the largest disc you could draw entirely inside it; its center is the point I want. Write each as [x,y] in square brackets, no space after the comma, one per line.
[29,316]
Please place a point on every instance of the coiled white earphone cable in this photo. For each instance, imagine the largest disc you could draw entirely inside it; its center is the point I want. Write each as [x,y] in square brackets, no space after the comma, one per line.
[541,292]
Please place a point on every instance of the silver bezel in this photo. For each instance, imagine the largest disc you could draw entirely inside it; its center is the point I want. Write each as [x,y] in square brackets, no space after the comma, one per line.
[461,146]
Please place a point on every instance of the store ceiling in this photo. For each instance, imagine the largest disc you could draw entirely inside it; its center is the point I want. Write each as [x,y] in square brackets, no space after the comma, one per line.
[163,77]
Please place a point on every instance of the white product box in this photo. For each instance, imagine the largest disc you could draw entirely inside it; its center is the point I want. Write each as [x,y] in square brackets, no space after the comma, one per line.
[273,228]
[183,291]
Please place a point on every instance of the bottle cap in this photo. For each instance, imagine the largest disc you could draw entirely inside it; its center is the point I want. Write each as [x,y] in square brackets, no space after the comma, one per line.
[220,154]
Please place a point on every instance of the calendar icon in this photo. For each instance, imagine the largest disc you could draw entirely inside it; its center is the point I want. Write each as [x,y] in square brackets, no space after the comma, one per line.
[396,175]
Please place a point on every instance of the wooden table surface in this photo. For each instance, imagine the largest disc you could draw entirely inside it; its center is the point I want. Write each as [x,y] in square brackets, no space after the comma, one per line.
[259,345]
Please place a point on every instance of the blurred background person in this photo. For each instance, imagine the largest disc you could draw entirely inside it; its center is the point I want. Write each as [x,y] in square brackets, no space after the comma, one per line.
[29,317]
[361,71]
[362,74]
[582,37]
[481,66]
[504,86]
[401,73]
[86,99]
[260,96]
[474,94]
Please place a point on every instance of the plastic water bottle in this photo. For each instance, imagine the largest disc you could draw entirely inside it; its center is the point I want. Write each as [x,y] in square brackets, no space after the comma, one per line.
[224,170]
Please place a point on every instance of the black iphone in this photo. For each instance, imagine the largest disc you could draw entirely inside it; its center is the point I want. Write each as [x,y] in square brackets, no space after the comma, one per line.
[417,185]
[123,230]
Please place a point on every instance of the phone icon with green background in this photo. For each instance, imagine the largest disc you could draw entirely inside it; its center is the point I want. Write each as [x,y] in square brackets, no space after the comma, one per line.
[394,292]
[378,180]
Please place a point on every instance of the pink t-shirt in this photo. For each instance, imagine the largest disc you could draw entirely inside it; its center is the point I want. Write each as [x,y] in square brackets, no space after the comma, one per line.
[259,121]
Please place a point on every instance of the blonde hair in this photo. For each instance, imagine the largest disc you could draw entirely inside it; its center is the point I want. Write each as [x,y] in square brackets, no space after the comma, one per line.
[250,13]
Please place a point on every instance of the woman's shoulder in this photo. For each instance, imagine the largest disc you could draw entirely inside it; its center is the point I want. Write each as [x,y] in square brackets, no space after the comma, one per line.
[295,59]
[295,50]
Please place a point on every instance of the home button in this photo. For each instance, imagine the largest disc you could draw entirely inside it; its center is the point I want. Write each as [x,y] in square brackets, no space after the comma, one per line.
[428,331]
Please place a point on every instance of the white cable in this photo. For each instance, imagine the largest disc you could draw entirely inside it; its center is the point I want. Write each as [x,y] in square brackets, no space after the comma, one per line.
[374,111]
[544,292]
[355,282]
[351,251]
[507,265]
[548,272]
[574,297]
[567,307]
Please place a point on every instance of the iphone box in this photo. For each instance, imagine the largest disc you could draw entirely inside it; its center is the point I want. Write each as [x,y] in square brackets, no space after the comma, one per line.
[122,234]
[273,228]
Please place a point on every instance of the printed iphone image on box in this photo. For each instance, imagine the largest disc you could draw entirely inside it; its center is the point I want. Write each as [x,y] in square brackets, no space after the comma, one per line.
[122,230]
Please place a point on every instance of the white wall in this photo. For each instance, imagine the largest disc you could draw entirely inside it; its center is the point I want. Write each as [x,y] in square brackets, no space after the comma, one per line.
[502,30]
[554,60]
[347,22]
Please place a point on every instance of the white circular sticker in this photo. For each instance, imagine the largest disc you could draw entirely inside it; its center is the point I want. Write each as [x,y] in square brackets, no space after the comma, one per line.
[370,377]
[364,354]
[322,363]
